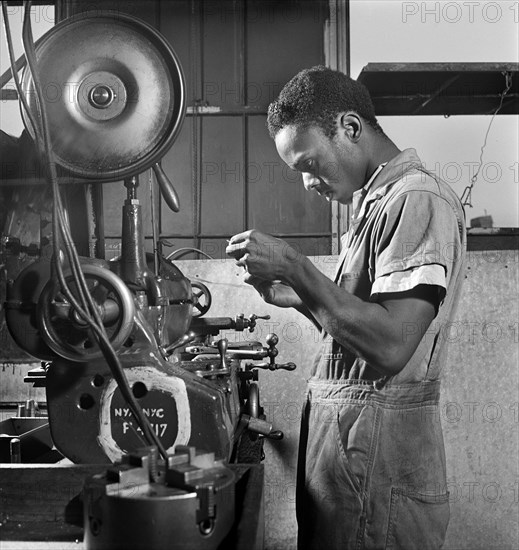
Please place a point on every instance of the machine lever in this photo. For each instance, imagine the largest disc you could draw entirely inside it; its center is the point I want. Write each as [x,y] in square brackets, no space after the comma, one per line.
[286,366]
[166,188]
[261,427]
[237,353]
[182,341]
[274,366]
[250,346]
[222,349]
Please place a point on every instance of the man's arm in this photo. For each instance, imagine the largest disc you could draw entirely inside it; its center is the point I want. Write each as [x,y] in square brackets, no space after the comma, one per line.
[280,294]
[372,331]
[378,332]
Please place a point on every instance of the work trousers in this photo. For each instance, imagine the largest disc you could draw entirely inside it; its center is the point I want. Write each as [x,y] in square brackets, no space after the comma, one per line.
[371,472]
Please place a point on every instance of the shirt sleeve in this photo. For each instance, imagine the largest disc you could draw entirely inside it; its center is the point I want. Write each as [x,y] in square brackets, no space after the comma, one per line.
[416,242]
[400,281]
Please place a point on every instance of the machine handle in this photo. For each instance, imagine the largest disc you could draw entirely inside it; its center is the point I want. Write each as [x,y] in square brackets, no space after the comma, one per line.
[222,349]
[273,366]
[166,188]
[286,366]
[261,427]
[182,341]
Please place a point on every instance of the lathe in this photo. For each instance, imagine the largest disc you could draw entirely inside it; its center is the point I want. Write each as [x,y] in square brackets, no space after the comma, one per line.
[137,376]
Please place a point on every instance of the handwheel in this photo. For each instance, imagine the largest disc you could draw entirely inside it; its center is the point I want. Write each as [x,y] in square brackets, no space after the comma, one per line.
[66,333]
[203,299]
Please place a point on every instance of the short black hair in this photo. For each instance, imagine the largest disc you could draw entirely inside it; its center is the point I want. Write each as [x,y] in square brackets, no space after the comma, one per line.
[316,96]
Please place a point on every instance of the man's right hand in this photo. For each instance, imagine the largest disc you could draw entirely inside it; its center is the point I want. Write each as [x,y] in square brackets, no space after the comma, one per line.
[274,292]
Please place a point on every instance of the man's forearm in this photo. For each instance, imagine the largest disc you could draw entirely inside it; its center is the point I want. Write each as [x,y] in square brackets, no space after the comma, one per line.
[369,330]
[303,309]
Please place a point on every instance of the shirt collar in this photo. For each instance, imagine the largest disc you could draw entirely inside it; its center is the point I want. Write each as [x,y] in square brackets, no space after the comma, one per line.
[382,178]
[360,194]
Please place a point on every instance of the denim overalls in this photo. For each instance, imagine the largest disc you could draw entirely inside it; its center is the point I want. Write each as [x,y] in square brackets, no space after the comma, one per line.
[371,472]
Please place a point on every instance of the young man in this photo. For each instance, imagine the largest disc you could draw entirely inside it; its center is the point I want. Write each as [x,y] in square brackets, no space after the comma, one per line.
[372,464]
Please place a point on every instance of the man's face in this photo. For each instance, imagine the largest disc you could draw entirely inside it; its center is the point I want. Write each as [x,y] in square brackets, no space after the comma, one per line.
[331,167]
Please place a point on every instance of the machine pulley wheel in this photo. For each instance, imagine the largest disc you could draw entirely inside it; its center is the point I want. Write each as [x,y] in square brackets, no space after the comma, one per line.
[114,93]
[66,333]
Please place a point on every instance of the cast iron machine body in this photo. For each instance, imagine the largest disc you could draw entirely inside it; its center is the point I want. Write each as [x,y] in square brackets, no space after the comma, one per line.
[196,390]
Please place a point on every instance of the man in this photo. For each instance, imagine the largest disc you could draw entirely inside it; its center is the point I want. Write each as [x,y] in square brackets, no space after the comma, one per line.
[371,470]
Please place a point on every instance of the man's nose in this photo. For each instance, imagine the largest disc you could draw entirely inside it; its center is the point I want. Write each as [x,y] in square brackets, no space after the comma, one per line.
[310,181]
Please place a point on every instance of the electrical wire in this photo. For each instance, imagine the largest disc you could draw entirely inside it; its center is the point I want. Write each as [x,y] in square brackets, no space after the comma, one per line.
[186,249]
[466,197]
[87,309]
[14,72]
[60,222]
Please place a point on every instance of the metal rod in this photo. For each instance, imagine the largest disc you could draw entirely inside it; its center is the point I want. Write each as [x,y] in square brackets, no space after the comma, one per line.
[436,94]
[200,29]
[99,229]
[245,121]
[154,224]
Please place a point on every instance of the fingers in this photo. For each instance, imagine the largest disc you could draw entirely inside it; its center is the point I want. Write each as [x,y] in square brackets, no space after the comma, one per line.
[240,237]
[239,243]
[242,260]
[254,281]
[236,250]
[250,279]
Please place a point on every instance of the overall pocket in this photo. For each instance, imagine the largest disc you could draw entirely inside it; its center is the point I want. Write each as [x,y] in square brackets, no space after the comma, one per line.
[355,432]
[417,521]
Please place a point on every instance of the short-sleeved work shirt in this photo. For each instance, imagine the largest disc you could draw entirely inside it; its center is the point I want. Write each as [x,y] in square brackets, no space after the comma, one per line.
[407,229]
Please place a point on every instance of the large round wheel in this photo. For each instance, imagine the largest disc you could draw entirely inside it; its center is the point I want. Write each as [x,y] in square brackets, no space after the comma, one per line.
[63,329]
[114,94]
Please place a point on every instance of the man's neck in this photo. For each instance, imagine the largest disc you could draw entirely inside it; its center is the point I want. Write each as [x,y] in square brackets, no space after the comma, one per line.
[383,150]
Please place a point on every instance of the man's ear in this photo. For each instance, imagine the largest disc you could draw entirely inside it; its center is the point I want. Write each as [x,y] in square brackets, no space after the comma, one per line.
[351,124]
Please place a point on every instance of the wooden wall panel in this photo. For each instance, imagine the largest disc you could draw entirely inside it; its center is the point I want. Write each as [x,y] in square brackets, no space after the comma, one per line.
[223,51]
[177,163]
[278,201]
[283,38]
[175,25]
[222,176]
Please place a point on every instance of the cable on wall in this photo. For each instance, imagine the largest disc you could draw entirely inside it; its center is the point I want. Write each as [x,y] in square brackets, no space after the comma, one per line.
[466,197]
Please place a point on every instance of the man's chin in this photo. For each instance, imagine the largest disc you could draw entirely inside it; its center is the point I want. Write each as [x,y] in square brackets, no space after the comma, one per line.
[340,200]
